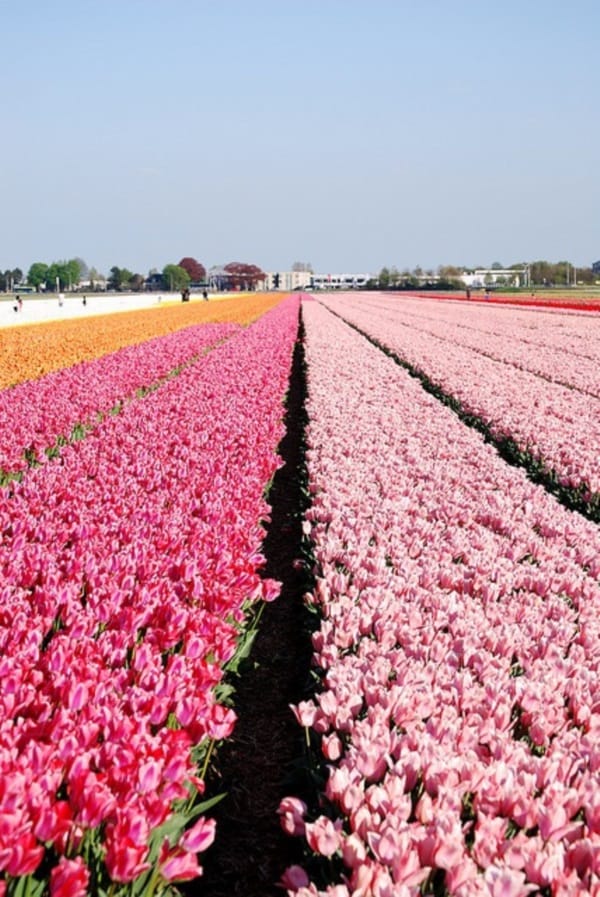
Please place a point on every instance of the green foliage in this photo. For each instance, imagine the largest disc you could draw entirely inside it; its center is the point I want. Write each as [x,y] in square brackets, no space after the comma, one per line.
[175,277]
[384,278]
[66,273]
[37,275]
[119,278]
[9,278]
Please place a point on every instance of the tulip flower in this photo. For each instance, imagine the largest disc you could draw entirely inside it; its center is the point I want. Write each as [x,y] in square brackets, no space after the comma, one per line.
[458,636]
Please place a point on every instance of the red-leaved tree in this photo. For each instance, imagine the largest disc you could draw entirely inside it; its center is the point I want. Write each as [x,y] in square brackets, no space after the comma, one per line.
[196,270]
[243,276]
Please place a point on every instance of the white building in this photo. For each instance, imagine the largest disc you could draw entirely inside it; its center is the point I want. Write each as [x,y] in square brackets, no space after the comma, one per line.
[287,280]
[483,277]
[339,281]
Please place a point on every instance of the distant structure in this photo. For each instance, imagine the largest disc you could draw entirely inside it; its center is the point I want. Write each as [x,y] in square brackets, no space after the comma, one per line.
[307,280]
[596,267]
[339,281]
[287,280]
[485,277]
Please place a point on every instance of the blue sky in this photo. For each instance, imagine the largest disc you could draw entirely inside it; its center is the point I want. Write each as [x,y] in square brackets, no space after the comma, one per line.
[348,133]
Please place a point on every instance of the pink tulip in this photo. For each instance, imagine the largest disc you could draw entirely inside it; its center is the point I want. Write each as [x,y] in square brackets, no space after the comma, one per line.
[24,856]
[178,865]
[199,837]
[504,882]
[305,712]
[291,815]
[323,836]
[294,878]
[70,878]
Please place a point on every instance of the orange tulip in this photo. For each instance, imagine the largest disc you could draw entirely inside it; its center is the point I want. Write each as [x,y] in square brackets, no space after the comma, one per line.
[33,350]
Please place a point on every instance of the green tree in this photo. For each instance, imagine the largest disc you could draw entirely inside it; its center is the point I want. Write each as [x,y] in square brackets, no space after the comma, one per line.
[9,278]
[37,275]
[384,278]
[119,278]
[541,273]
[84,271]
[449,272]
[176,278]
[73,269]
[67,273]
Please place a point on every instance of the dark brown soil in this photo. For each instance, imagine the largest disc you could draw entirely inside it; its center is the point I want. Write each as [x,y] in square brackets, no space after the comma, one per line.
[254,767]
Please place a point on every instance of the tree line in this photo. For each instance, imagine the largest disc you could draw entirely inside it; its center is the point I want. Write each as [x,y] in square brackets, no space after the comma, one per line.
[540,273]
[68,274]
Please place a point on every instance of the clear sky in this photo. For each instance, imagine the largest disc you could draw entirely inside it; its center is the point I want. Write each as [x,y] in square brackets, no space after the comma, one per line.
[351,134]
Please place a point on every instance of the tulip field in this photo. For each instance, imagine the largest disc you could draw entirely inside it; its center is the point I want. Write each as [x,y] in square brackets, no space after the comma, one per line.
[458,715]
[452,734]
[129,562]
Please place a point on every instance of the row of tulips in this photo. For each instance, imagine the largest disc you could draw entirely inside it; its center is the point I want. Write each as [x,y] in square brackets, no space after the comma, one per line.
[127,567]
[560,347]
[557,425]
[458,714]
[548,300]
[30,351]
[36,413]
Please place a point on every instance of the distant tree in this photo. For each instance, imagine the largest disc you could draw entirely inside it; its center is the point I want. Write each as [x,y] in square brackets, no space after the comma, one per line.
[542,273]
[73,269]
[9,278]
[84,271]
[562,272]
[384,278]
[394,276]
[119,278]
[195,269]
[243,276]
[449,272]
[37,275]
[586,276]
[175,278]
[136,283]
[497,266]
[64,273]
[302,266]
[54,277]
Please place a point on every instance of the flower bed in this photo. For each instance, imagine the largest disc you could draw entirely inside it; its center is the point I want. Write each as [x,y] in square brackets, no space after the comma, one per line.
[559,347]
[127,568]
[31,351]
[34,414]
[458,713]
[564,302]
[558,426]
